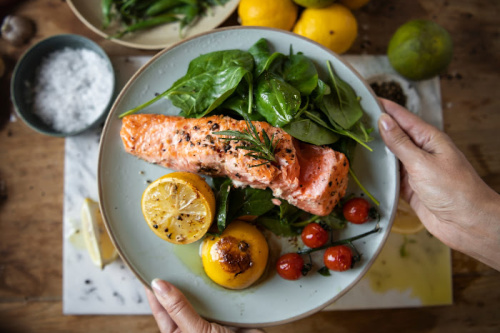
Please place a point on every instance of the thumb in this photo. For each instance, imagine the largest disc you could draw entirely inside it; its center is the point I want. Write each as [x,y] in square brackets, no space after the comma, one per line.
[397,140]
[178,307]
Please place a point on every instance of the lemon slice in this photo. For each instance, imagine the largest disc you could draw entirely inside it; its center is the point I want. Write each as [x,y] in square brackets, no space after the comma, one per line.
[179,207]
[96,238]
[406,221]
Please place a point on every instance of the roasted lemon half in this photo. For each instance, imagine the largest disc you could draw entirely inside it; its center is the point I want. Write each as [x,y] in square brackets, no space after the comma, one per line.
[179,207]
[237,258]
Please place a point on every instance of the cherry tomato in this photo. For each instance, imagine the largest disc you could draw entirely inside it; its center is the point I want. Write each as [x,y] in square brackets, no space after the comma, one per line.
[338,258]
[356,210]
[314,235]
[289,266]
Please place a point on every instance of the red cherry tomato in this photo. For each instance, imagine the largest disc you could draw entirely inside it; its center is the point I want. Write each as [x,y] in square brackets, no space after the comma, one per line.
[338,258]
[314,235]
[356,210]
[289,266]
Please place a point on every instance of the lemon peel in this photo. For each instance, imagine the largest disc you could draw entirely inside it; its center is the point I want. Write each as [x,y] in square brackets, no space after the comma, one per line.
[406,221]
[96,239]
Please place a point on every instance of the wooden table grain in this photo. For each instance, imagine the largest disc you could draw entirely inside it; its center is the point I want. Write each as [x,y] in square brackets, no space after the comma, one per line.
[31,178]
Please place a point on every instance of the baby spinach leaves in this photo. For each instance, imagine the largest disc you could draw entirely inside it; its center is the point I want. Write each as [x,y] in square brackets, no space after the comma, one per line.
[222,204]
[210,80]
[286,91]
[342,106]
[308,131]
[276,100]
[300,72]
[234,202]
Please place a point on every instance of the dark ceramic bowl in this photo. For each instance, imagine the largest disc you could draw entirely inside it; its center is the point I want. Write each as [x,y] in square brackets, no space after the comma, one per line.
[25,73]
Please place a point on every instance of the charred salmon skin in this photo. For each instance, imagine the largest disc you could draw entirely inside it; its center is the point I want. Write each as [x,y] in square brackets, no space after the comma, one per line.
[313,178]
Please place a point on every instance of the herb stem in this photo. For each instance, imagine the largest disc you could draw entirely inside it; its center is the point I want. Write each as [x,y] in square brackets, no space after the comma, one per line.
[250,97]
[258,149]
[142,106]
[372,198]
[342,241]
[306,222]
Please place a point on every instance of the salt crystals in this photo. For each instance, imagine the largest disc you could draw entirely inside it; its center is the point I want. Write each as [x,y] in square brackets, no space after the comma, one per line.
[71,89]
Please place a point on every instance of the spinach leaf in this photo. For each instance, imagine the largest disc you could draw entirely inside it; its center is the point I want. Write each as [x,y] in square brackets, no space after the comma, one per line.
[289,213]
[324,271]
[301,73]
[210,79]
[308,131]
[335,220]
[217,2]
[249,201]
[316,117]
[280,220]
[239,104]
[342,106]
[217,182]
[275,226]
[264,59]
[274,63]
[260,52]
[276,100]
[320,91]
[222,204]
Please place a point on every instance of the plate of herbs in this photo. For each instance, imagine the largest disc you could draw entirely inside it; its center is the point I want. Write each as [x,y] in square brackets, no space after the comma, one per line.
[294,84]
[151,24]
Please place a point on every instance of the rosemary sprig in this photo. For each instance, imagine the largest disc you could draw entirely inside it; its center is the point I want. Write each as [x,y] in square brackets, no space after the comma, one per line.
[262,150]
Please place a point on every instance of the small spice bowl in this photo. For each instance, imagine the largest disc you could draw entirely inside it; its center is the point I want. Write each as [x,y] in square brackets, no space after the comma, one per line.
[55,83]
[406,91]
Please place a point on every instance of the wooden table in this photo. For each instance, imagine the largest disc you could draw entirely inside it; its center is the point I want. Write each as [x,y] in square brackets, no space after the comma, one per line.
[31,167]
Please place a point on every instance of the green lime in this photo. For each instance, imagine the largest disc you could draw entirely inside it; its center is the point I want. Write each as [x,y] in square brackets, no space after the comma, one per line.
[420,49]
[314,3]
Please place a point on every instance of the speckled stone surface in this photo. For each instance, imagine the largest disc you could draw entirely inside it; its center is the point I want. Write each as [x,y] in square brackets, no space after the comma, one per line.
[115,290]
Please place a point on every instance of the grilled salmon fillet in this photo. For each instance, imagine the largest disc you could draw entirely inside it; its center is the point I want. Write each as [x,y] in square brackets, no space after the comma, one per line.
[310,177]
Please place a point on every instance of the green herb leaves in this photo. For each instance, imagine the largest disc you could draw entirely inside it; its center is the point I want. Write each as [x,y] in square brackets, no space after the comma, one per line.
[285,91]
[136,15]
[260,149]
[276,100]
[210,80]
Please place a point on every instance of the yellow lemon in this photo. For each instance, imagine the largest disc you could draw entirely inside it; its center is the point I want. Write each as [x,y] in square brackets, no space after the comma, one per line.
[95,236]
[179,207]
[406,221]
[354,4]
[280,14]
[314,3]
[334,27]
[237,258]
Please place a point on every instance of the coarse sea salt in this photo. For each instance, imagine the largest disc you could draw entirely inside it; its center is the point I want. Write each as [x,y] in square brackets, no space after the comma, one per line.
[71,89]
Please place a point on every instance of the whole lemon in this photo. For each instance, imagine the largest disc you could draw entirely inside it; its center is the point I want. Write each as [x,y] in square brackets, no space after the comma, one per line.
[314,3]
[420,49]
[280,14]
[334,27]
[354,4]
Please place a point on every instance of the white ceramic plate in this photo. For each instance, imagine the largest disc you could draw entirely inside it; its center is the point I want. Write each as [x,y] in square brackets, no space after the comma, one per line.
[89,12]
[122,178]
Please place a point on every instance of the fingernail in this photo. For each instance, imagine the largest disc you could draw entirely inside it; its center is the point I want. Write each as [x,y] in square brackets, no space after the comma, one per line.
[160,287]
[386,122]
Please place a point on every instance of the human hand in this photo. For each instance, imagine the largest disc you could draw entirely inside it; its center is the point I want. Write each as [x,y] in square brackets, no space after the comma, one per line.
[448,196]
[173,313]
